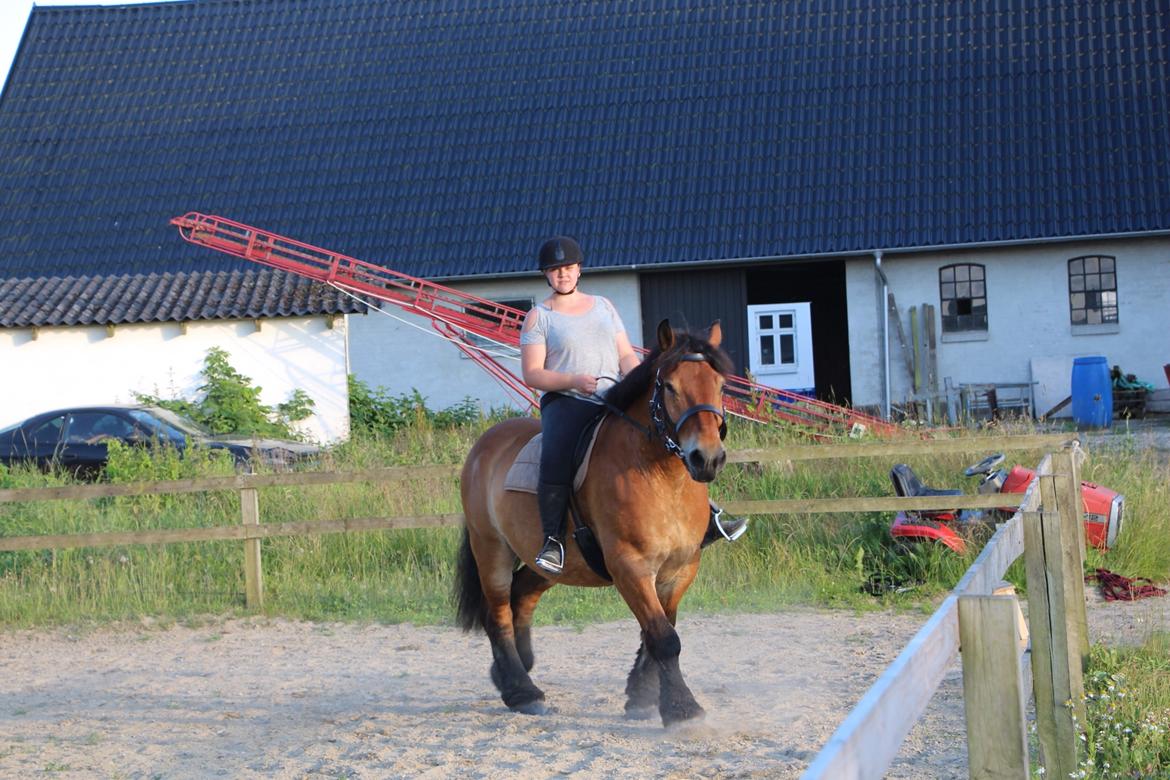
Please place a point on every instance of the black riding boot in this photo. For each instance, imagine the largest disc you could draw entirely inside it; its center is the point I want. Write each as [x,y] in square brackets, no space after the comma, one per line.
[553,501]
[723,527]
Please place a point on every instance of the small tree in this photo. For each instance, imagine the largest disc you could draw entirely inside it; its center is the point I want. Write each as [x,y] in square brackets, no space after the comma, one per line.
[229,403]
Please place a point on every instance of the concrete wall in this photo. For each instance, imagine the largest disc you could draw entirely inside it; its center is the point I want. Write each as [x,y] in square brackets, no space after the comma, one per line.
[72,366]
[400,352]
[1029,336]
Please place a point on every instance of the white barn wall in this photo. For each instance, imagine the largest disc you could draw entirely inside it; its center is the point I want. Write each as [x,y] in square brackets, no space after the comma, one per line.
[392,354]
[72,366]
[1028,317]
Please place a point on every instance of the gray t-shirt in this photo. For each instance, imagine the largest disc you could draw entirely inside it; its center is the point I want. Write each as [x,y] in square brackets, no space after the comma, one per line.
[579,344]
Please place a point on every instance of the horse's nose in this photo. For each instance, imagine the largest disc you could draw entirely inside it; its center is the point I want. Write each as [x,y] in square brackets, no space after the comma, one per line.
[704,467]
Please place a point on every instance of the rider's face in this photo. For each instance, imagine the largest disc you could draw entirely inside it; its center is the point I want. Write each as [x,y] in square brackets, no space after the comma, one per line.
[563,279]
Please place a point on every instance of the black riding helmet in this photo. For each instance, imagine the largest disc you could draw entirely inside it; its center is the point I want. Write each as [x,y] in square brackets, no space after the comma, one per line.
[559,251]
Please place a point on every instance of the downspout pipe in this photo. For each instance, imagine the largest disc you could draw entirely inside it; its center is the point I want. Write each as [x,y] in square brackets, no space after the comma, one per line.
[884,316]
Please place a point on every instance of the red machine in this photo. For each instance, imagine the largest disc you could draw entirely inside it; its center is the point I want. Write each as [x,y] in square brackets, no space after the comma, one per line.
[1103,508]
[456,315]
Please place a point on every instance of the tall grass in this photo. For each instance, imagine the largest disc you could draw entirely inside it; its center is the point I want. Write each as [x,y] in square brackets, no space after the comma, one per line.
[394,576]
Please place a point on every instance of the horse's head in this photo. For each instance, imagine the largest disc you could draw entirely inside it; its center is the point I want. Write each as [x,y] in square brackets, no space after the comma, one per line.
[687,405]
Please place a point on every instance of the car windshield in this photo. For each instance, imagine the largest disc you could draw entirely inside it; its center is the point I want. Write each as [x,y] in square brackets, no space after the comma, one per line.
[165,422]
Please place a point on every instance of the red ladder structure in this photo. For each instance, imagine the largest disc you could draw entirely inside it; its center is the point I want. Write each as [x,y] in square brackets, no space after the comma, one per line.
[457,315]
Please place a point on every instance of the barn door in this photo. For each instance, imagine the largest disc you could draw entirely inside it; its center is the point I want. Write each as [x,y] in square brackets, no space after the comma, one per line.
[780,345]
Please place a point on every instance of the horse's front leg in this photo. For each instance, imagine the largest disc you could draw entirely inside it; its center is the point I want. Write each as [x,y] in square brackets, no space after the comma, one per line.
[676,703]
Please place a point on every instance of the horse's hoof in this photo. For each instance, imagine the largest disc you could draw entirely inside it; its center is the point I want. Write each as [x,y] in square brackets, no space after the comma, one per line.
[684,717]
[641,713]
[537,707]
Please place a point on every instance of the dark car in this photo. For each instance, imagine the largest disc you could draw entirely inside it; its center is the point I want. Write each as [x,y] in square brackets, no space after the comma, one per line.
[75,439]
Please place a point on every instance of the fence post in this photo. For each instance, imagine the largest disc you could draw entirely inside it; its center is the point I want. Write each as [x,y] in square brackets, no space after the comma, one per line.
[253,574]
[1066,468]
[993,688]
[1056,669]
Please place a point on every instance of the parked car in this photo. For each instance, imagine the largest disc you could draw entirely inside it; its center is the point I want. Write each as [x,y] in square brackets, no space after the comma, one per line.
[75,439]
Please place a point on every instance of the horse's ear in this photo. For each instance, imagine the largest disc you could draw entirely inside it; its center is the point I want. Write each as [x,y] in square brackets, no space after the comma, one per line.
[715,334]
[665,335]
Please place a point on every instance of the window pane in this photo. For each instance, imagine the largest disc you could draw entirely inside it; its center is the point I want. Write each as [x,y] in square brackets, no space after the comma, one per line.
[977,290]
[1092,281]
[767,351]
[1093,316]
[963,306]
[787,349]
[50,432]
[947,274]
[1076,283]
[1078,300]
[948,291]
[785,320]
[1090,265]
[1076,266]
[1108,282]
[962,273]
[1107,264]
[976,273]
[1107,298]
[963,290]
[765,322]
[1078,316]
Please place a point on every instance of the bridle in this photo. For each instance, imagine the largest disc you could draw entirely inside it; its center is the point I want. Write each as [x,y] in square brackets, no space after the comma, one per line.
[661,418]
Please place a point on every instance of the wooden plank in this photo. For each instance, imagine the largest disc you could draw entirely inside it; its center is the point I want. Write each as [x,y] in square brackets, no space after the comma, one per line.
[863,504]
[227,533]
[868,740]
[1039,441]
[253,571]
[238,482]
[1051,683]
[1001,550]
[892,314]
[916,343]
[993,689]
[928,331]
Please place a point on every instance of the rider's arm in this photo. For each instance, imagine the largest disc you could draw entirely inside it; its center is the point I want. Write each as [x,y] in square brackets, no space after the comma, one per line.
[540,378]
[627,357]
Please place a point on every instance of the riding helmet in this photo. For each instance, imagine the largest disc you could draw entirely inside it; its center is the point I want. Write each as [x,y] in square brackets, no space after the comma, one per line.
[559,251]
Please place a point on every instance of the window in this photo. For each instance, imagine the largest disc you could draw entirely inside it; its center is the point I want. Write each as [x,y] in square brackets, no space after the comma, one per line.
[493,320]
[962,291]
[1092,290]
[95,428]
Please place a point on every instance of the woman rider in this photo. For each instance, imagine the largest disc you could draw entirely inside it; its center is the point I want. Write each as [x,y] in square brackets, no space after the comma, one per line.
[573,347]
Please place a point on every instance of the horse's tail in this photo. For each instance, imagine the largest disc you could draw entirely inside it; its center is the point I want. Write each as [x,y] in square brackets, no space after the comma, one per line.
[471,606]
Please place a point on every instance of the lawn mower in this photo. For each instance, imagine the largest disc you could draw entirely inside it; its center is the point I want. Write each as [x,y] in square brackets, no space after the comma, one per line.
[1103,508]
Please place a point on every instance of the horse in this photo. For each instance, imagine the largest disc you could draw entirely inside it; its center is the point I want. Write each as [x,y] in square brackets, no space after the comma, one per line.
[645,497]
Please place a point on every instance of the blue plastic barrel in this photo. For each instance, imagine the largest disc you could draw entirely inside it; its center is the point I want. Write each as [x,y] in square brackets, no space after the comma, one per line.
[1092,393]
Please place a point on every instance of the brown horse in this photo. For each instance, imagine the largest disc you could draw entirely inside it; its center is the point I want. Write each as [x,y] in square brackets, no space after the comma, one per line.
[645,498]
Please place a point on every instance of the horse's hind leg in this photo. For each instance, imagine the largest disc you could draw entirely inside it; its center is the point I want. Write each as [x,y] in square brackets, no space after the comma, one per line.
[508,670]
[527,588]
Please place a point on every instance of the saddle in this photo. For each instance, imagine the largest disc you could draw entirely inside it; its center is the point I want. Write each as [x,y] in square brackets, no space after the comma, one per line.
[524,475]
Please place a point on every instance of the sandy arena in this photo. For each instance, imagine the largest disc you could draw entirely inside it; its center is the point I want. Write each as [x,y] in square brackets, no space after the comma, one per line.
[272,698]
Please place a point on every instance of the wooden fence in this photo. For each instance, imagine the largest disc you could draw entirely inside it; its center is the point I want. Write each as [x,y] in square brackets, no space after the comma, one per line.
[869,739]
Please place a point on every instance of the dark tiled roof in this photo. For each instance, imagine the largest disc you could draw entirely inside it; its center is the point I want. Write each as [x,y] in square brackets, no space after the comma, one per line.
[177,297]
[448,138]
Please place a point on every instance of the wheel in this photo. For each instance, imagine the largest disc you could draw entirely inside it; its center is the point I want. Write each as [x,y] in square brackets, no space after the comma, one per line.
[986,465]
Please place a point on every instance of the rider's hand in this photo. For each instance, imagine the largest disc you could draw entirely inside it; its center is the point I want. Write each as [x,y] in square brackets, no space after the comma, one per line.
[583,383]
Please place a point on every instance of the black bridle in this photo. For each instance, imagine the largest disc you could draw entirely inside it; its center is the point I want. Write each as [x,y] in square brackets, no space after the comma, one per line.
[661,418]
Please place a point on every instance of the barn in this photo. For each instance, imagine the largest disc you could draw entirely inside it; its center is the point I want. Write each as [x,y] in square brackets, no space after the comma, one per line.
[845,184]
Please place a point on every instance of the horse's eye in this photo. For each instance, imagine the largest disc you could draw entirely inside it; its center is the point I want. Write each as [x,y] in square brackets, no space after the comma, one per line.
[670,389]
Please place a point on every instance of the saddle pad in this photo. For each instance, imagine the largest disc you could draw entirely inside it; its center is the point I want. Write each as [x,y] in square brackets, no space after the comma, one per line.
[525,472]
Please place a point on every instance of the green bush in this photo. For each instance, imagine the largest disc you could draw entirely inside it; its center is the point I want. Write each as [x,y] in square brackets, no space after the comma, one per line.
[229,403]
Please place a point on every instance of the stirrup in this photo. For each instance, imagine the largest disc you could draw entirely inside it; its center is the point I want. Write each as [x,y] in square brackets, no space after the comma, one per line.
[551,557]
[737,524]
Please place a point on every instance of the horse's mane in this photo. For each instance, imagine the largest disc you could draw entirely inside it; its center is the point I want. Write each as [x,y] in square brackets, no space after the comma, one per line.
[635,384]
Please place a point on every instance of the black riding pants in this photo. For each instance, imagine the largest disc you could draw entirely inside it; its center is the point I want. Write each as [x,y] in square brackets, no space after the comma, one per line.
[562,418]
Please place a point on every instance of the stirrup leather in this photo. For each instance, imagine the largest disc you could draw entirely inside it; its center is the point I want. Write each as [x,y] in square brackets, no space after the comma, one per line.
[551,557]
[717,518]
